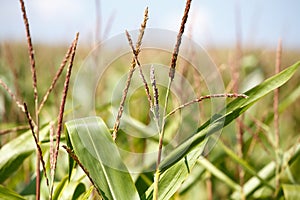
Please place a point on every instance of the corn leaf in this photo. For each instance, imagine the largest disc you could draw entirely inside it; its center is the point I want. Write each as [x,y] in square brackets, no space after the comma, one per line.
[13,153]
[218,173]
[95,149]
[59,188]
[291,192]
[268,172]
[197,142]
[7,194]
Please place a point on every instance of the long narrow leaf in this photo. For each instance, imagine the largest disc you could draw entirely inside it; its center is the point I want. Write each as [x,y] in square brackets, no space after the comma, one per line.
[268,172]
[244,164]
[13,153]
[59,188]
[291,192]
[86,194]
[172,178]
[233,110]
[197,141]
[95,149]
[7,194]
[218,173]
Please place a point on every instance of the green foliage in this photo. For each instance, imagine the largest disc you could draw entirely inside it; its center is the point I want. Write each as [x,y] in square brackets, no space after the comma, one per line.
[196,143]
[94,147]
[13,153]
[8,194]
[291,192]
[181,170]
[93,144]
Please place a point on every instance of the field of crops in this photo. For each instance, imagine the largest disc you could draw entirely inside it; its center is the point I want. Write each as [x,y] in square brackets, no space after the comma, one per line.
[141,117]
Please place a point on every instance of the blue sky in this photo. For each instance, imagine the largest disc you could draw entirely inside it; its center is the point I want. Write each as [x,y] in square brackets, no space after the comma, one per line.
[211,22]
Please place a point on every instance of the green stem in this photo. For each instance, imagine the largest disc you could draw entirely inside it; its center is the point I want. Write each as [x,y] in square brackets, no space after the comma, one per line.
[161,138]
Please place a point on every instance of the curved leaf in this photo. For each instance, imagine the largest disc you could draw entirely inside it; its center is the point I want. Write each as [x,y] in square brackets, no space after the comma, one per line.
[95,149]
[268,171]
[196,143]
[16,151]
[291,192]
[218,173]
[172,178]
[59,188]
[7,194]
[86,194]
[233,110]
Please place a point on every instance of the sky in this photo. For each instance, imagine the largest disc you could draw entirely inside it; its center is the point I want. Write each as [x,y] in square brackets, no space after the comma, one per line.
[259,23]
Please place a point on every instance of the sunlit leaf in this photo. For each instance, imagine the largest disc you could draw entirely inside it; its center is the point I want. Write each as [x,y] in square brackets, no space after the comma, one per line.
[218,173]
[59,188]
[13,153]
[197,141]
[244,164]
[172,178]
[95,149]
[86,194]
[268,171]
[7,194]
[291,192]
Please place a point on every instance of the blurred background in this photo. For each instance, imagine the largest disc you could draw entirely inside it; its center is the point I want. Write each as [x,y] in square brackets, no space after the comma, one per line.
[215,23]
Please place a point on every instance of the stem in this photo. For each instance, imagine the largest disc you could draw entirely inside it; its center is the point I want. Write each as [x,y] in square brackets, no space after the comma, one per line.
[276,119]
[161,138]
[38,158]
[56,77]
[209,187]
[38,147]
[234,95]
[236,77]
[76,159]
[171,78]
[128,81]
[63,103]
[35,91]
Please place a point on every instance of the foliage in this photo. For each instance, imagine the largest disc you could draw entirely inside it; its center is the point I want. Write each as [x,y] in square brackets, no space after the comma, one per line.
[94,165]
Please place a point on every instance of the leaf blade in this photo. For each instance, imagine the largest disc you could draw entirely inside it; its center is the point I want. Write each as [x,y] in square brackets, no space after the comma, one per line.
[93,144]
[7,194]
[232,111]
[13,153]
[291,192]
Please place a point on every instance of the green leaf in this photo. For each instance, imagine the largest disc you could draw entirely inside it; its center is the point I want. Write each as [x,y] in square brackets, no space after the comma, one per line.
[291,192]
[244,164]
[7,194]
[72,163]
[59,188]
[197,142]
[268,172]
[86,195]
[172,178]
[232,111]
[13,153]
[218,173]
[143,182]
[95,149]
[69,189]
[72,190]
[79,190]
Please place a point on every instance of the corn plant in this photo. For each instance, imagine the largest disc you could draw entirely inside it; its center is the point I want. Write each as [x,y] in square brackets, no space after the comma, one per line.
[82,158]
